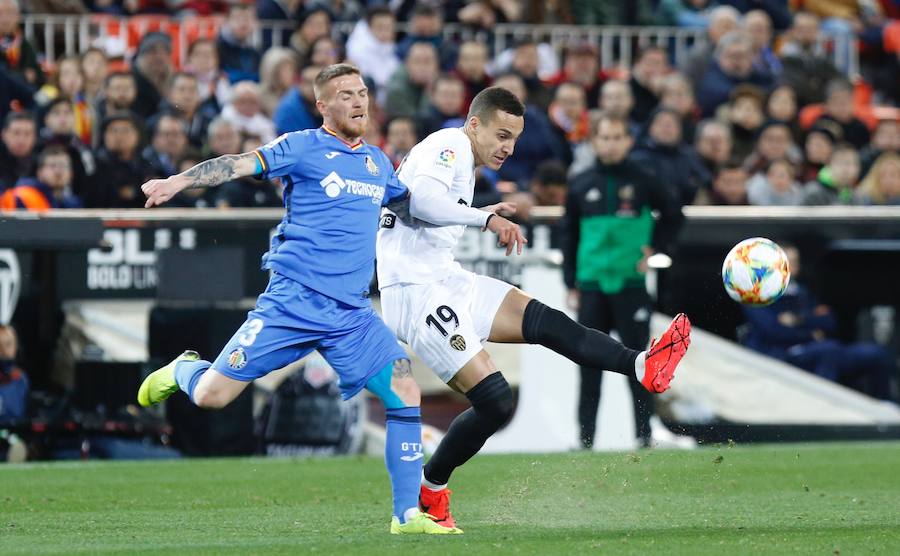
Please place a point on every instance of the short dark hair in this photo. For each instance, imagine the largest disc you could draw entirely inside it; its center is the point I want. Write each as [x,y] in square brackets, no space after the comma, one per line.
[52,150]
[492,99]
[551,172]
[425,10]
[792,168]
[333,72]
[116,74]
[378,11]
[836,85]
[18,117]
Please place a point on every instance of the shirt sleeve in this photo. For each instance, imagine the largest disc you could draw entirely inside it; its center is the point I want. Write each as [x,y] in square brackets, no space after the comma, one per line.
[279,156]
[441,163]
[394,188]
[429,202]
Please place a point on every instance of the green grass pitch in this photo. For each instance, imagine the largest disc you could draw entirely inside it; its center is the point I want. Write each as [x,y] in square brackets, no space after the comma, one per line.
[778,499]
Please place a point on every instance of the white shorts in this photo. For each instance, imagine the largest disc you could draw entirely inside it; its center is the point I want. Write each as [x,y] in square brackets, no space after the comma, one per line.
[445,323]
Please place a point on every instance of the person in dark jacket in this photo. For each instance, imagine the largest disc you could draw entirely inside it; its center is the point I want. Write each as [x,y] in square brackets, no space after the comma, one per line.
[799,330]
[733,65]
[120,168]
[238,58]
[670,161]
[608,235]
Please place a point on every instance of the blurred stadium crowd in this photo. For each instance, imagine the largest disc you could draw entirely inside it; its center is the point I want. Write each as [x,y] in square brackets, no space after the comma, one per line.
[764,113]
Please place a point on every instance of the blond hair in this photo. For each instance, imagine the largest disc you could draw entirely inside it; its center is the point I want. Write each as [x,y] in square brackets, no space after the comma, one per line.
[869,186]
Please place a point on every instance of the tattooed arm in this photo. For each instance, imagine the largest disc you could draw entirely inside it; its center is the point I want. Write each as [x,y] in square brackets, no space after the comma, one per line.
[206,174]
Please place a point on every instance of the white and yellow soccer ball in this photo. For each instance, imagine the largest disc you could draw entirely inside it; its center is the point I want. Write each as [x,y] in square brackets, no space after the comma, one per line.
[756,272]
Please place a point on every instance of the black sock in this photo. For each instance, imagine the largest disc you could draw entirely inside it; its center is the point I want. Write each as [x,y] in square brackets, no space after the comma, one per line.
[585,346]
[492,406]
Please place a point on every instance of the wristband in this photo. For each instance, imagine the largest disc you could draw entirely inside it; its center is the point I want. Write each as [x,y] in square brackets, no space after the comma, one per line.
[488,221]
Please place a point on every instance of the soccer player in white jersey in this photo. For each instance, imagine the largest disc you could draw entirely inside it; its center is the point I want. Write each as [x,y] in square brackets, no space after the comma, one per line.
[446,313]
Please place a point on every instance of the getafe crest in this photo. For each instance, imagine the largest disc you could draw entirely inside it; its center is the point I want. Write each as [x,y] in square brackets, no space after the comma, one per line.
[371,166]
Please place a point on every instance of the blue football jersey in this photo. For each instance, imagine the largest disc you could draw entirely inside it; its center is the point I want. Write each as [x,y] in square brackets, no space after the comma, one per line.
[333,197]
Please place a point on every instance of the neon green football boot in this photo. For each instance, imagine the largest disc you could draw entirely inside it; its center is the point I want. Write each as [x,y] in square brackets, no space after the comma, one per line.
[423,524]
[160,384]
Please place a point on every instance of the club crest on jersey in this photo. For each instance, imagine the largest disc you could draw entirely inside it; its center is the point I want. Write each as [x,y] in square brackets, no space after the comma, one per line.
[457,342]
[446,158]
[371,166]
[237,359]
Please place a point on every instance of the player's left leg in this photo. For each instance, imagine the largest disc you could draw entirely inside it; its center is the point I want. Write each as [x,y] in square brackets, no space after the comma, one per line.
[366,354]
[521,319]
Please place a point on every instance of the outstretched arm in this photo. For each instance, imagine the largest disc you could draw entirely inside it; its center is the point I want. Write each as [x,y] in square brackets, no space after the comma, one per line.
[206,174]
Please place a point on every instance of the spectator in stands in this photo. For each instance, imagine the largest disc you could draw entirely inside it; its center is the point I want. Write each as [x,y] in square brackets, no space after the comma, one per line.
[245,112]
[608,235]
[447,96]
[729,187]
[470,68]
[408,88]
[52,188]
[152,70]
[547,188]
[484,15]
[70,83]
[676,93]
[777,10]
[59,130]
[525,64]
[685,13]
[315,22]
[806,67]
[617,100]
[839,109]
[14,384]
[223,138]
[425,25]
[799,330]
[120,168]
[238,58]
[325,51]
[650,67]
[119,95]
[722,20]
[758,25]
[777,186]
[17,148]
[581,65]
[885,138]
[835,182]
[16,53]
[203,63]
[548,13]
[610,12]
[15,92]
[297,109]
[733,66]
[401,138]
[277,75]
[782,106]
[168,140]
[774,142]
[183,101]
[569,116]
[94,68]
[372,47]
[276,10]
[817,151]
[713,145]
[537,142]
[661,150]
[881,186]
[745,112]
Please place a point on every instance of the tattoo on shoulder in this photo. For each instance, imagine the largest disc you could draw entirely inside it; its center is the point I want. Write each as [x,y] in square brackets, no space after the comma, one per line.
[402,368]
[214,172]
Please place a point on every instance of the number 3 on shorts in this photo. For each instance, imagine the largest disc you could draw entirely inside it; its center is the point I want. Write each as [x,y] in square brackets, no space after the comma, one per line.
[250,329]
[447,315]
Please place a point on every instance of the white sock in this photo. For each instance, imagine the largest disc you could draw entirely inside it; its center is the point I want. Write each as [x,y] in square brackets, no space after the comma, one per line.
[639,366]
[409,514]
[431,486]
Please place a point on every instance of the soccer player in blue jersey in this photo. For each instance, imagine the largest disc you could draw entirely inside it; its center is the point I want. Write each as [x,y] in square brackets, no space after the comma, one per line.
[322,260]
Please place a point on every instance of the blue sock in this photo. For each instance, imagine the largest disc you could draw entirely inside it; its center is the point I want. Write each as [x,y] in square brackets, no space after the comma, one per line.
[188,373]
[403,457]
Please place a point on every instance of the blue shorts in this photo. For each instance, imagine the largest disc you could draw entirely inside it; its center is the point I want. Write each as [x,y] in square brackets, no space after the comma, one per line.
[290,320]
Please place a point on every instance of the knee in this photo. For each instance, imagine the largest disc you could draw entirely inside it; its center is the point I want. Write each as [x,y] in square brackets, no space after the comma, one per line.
[492,398]
[407,390]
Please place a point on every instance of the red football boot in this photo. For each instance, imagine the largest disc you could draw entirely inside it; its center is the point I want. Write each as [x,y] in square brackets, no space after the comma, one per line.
[665,353]
[437,505]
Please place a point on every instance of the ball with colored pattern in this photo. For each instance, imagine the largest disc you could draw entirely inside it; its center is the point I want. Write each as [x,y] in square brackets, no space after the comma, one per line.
[756,272]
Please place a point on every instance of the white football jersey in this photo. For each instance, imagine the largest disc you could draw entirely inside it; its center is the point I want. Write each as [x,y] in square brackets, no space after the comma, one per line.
[415,252]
